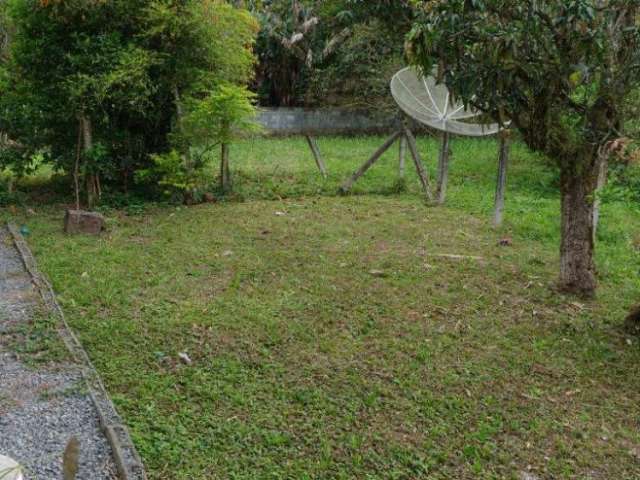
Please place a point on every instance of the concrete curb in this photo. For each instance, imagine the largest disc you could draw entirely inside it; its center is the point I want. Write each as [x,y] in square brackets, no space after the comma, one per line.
[124,452]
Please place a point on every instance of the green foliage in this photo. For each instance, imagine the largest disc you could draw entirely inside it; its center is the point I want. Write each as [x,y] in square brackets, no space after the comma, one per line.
[125,66]
[632,113]
[559,70]
[624,185]
[329,52]
[360,73]
[172,171]
[291,38]
[7,193]
[222,116]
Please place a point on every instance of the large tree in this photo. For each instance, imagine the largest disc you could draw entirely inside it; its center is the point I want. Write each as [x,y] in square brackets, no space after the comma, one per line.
[560,71]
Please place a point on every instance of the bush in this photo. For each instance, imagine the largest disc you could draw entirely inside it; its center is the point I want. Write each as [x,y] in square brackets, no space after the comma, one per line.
[99,88]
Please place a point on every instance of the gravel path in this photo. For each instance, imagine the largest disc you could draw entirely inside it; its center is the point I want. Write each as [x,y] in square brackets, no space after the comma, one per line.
[42,409]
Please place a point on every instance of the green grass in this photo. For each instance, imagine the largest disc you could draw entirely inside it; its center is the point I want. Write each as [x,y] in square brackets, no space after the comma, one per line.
[329,341]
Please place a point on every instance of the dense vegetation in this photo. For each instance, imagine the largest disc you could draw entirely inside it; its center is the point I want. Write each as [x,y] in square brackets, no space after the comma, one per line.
[280,331]
[337,52]
[120,93]
[99,88]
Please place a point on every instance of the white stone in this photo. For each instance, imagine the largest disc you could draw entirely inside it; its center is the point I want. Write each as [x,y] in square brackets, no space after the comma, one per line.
[9,469]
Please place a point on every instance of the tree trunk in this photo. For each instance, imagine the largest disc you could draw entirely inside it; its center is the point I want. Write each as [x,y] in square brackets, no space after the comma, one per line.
[91,181]
[578,185]
[76,165]
[225,173]
[178,100]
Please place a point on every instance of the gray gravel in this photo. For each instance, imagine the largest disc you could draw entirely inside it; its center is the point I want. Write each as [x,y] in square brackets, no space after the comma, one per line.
[40,410]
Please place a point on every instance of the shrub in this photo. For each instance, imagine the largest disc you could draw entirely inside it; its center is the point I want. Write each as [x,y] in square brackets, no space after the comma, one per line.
[100,87]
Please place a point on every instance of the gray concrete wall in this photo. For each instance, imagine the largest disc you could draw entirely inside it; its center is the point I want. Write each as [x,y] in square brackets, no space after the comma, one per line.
[297,121]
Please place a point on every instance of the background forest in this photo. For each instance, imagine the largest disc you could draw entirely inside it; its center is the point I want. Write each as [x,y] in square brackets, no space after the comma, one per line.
[336,52]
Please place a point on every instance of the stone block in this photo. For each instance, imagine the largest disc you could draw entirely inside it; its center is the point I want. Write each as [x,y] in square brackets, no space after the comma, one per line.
[81,222]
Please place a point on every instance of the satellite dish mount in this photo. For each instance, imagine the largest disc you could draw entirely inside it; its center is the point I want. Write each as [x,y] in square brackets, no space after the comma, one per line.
[407,140]
[431,104]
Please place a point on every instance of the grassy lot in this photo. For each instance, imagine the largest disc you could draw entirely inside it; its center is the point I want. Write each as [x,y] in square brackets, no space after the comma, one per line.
[328,340]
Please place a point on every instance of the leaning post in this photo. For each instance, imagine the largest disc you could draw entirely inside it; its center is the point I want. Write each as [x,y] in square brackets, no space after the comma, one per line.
[313,145]
[346,186]
[443,168]
[423,175]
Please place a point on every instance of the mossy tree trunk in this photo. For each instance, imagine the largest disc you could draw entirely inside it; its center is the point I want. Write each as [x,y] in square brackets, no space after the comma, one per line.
[578,185]
[92,181]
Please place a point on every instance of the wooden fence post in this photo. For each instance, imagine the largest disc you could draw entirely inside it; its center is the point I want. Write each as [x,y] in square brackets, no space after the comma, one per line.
[313,145]
[443,168]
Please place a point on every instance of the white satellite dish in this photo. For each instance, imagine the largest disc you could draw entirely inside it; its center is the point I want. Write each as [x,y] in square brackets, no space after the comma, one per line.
[431,104]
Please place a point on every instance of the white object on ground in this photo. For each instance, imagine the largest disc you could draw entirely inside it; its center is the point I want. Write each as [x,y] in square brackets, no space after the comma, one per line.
[10,469]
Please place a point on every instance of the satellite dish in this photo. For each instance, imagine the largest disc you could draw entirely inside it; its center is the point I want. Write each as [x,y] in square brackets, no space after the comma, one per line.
[431,104]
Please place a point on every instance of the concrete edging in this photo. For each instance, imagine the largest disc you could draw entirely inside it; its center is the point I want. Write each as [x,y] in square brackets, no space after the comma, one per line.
[127,459]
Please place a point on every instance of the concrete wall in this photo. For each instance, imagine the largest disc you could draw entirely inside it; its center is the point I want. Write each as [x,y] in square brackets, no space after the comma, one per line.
[296,121]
